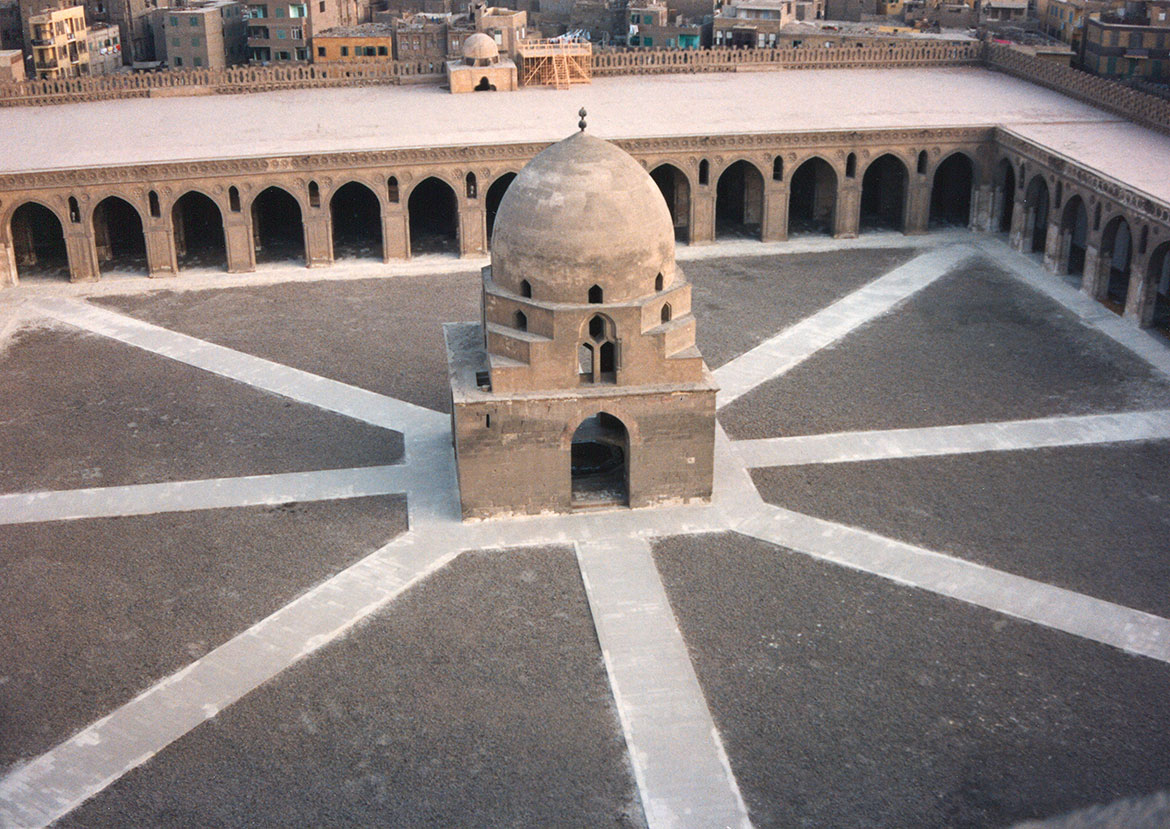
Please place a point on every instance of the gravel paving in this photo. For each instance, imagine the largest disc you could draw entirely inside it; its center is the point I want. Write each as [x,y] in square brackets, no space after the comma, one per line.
[385,335]
[974,346]
[1095,519]
[478,698]
[741,302]
[85,411]
[95,611]
[847,700]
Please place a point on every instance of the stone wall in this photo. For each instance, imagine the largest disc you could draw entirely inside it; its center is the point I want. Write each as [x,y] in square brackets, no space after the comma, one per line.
[1144,109]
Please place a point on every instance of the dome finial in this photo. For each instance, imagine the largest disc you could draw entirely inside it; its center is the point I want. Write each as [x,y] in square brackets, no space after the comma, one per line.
[581,123]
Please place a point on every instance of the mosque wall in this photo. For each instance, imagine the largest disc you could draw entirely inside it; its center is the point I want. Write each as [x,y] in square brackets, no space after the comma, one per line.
[437,199]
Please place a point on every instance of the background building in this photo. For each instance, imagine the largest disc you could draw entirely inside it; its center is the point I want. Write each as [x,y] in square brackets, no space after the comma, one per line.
[364,43]
[11,66]
[207,35]
[104,44]
[283,31]
[59,43]
[1132,42]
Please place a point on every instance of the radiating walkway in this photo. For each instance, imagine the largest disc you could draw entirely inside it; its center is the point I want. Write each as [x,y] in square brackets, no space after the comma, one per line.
[1004,436]
[683,773]
[798,342]
[212,493]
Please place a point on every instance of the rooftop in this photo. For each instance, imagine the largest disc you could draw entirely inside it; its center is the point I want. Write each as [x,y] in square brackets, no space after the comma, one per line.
[89,134]
[361,30]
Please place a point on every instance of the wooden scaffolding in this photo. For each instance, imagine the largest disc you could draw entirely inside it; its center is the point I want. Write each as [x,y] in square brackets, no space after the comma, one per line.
[555,63]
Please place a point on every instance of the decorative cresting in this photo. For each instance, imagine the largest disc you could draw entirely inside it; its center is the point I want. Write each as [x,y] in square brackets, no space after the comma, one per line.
[582,386]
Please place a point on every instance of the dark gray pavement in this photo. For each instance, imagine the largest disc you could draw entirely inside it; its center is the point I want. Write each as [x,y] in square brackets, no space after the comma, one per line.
[1095,519]
[384,335]
[846,700]
[974,346]
[478,698]
[95,611]
[741,302]
[84,411]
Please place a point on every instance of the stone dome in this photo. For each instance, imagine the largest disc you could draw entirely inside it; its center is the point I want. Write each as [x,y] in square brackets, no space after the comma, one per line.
[480,47]
[583,213]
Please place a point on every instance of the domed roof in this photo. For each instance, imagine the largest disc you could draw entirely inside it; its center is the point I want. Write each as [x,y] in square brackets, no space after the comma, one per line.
[480,47]
[583,213]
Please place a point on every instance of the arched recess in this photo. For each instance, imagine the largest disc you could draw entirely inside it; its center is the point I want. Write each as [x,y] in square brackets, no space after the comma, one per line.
[198,227]
[1005,195]
[434,218]
[883,194]
[739,202]
[812,198]
[1116,253]
[600,462]
[278,232]
[1074,235]
[1036,215]
[356,216]
[38,242]
[495,195]
[1158,276]
[677,192]
[950,192]
[118,236]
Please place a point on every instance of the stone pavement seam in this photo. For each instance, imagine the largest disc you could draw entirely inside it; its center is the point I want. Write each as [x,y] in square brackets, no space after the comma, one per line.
[998,436]
[683,774]
[801,340]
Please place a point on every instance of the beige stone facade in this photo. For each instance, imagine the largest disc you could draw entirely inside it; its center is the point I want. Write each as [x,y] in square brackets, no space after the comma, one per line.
[365,43]
[481,69]
[11,66]
[58,43]
[582,386]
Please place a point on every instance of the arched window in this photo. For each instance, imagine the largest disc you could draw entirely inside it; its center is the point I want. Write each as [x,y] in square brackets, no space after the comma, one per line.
[585,362]
[74,211]
[520,321]
[392,189]
[314,194]
[666,312]
[595,295]
[851,165]
[600,348]
[922,163]
[471,186]
[704,171]
[155,210]
[777,169]
[658,282]
[234,199]
[525,288]
[597,328]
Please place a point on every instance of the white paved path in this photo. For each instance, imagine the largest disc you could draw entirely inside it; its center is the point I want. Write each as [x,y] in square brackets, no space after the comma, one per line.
[683,773]
[1004,436]
[1054,607]
[212,493]
[798,342]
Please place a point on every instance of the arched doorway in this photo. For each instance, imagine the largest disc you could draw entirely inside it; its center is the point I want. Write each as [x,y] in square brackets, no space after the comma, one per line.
[1005,195]
[677,192]
[1036,215]
[117,232]
[883,194]
[38,242]
[198,229]
[495,195]
[277,230]
[599,465]
[812,199]
[950,193]
[1074,235]
[1116,251]
[356,216]
[434,218]
[1158,276]
[739,202]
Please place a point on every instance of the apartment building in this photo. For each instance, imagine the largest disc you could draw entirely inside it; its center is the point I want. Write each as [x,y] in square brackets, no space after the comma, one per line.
[104,45]
[207,35]
[280,31]
[757,23]
[364,43]
[58,43]
[1131,42]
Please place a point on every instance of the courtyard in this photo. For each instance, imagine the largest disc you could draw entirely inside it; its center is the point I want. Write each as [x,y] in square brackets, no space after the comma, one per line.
[929,590]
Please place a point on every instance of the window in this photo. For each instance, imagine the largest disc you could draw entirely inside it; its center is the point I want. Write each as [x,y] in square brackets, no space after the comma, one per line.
[297,11]
[520,321]
[174,21]
[178,61]
[175,42]
[369,51]
[302,53]
[345,51]
[281,34]
[666,312]
[191,21]
[595,294]
[195,41]
[704,171]
[658,282]
[382,51]
[74,211]
[198,62]
[314,194]
[851,165]
[234,199]
[297,33]
[525,288]
[320,51]
[392,190]
[922,163]
[777,169]
[284,56]
[257,11]
[321,7]
[471,186]
[280,12]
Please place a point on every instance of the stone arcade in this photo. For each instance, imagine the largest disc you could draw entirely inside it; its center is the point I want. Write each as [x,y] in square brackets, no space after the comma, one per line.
[582,385]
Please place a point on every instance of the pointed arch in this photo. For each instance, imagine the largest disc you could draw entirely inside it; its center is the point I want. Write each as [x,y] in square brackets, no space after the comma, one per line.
[812,198]
[356,218]
[197,224]
[119,236]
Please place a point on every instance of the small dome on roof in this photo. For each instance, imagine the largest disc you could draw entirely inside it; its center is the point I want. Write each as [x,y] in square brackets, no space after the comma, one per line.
[480,47]
[583,214]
